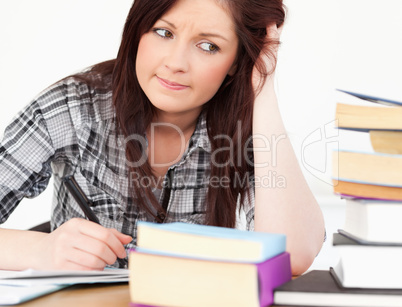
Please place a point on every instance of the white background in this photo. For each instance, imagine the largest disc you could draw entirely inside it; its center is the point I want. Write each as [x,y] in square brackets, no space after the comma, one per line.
[348,44]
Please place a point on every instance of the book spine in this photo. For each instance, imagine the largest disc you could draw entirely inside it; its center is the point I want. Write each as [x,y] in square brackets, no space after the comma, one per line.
[271,274]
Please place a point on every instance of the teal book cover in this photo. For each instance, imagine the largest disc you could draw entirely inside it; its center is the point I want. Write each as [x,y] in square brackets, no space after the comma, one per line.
[272,244]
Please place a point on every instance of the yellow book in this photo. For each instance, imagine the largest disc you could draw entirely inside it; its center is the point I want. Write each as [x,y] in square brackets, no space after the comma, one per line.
[160,280]
[188,265]
[368,118]
[367,168]
[386,141]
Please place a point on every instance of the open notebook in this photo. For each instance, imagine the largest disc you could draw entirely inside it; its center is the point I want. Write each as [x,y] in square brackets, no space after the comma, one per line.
[12,295]
[19,286]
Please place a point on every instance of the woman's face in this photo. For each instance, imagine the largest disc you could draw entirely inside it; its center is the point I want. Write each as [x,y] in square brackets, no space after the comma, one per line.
[183,60]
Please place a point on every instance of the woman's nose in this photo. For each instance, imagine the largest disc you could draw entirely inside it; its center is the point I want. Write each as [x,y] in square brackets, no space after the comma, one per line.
[177,57]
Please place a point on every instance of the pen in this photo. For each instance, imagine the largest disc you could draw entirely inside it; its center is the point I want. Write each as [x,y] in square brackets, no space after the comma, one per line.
[79,196]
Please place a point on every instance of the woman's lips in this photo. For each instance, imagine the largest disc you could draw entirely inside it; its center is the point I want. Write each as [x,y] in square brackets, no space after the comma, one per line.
[171,85]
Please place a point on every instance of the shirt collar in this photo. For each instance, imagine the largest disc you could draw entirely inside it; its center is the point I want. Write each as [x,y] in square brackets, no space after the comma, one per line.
[200,136]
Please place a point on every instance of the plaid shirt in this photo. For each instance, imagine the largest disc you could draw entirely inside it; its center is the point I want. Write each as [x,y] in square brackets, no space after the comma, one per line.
[70,129]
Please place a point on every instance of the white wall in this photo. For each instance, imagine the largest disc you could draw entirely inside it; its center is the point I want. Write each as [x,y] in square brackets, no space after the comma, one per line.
[327,44]
[41,42]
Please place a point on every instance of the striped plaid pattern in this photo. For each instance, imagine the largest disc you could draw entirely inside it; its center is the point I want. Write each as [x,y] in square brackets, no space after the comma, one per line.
[70,129]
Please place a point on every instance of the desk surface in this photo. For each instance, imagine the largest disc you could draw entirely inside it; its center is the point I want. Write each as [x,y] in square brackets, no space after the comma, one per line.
[98,295]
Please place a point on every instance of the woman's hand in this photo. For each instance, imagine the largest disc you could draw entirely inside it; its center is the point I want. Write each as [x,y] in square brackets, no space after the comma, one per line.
[268,57]
[79,245]
[285,205]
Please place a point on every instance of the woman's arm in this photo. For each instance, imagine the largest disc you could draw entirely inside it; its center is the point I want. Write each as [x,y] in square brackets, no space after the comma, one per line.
[288,206]
[76,245]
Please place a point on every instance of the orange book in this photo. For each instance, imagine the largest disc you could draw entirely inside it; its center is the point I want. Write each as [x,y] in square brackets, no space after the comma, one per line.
[363,190]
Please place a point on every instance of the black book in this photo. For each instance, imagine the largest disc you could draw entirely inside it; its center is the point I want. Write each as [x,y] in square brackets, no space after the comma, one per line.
[345,238]
[320,288]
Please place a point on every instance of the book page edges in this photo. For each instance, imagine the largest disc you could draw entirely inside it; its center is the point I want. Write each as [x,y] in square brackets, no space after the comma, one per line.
[180,281]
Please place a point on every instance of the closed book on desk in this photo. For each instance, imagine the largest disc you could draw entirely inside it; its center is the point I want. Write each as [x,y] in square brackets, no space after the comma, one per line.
[386,141]
[319,288]
[384,114]
[381,118]
[350,189]
[366,118]
[208,242]
[365,264]
[374,220]
[368,168]
[159,280]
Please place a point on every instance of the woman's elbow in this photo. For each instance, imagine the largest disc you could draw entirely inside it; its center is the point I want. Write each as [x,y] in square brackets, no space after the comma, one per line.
[302,255]
[300,262]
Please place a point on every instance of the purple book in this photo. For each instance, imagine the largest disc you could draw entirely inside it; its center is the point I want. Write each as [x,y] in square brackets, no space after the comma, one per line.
[355,197]
[271,274]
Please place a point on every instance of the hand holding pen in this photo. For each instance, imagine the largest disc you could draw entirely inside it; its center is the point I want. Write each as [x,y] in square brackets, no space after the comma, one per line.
[79,196]
[79,244]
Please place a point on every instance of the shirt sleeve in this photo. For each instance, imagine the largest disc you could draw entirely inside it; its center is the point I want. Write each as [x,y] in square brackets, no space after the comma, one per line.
[25,154]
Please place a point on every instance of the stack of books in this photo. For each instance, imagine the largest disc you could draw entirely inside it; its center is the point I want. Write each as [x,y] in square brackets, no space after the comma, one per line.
[369,272]
[370,244]
[320,288]
[375,174]
[179,264]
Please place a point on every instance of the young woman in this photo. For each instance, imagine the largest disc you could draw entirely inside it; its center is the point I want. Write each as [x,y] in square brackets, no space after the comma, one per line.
[183,125]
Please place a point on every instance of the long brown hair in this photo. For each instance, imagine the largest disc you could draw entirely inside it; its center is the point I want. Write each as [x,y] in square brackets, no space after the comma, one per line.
[231,106]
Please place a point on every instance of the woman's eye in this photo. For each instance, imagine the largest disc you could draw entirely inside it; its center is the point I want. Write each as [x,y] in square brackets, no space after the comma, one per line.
[208,47]
[163,33]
